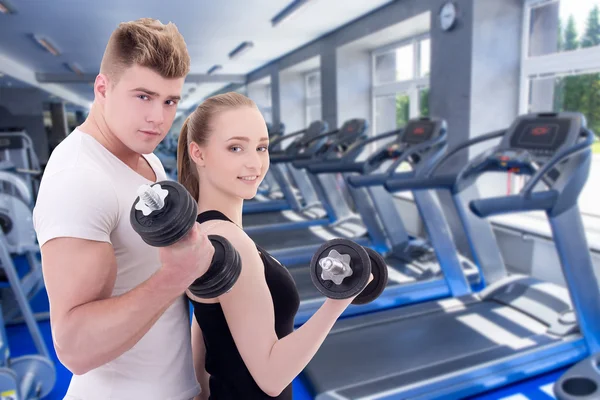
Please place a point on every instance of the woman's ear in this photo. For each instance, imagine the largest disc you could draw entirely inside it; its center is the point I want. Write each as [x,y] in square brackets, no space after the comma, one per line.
[197,154]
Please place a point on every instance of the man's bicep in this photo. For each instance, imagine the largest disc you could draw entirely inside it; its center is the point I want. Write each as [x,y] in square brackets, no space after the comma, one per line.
[76,272]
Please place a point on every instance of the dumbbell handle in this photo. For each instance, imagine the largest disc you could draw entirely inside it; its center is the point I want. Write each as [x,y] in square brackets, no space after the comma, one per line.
[150,198]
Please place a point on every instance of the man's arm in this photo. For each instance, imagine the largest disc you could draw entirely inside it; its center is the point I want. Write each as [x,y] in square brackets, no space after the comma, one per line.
[90,328]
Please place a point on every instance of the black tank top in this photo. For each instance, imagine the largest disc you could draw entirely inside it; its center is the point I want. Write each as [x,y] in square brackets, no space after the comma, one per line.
[229,377]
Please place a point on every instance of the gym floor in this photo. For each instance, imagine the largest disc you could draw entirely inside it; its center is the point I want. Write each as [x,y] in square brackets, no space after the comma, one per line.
[20,343]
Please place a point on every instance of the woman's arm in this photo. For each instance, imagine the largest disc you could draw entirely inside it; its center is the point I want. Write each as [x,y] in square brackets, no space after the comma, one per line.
[248,308]
[199,354]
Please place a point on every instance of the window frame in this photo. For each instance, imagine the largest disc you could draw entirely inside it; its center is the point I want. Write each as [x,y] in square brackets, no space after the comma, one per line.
[311,101]
[412,88]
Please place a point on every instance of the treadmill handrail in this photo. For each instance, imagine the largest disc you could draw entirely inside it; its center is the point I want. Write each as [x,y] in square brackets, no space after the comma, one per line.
[412,150]
[359,145]
[341,164]
[284,137]
[322,135]
[558,157]
[468,143]
[506,204]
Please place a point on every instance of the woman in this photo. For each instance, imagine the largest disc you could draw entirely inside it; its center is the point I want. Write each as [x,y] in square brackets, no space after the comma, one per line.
[250,350]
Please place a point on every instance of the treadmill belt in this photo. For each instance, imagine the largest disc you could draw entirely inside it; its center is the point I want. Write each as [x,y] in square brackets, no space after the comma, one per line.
[275,240]
[411,344]
[272,218]
[313,236]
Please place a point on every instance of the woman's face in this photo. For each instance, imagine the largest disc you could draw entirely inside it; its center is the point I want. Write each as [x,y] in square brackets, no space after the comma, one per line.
[235,157]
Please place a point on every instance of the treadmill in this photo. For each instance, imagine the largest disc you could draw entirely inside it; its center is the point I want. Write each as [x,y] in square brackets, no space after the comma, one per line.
[414,272]
[294,246]
[518,326]
[307,212]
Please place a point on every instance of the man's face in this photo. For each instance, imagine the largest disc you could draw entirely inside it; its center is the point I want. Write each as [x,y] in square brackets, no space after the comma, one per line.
[140,107]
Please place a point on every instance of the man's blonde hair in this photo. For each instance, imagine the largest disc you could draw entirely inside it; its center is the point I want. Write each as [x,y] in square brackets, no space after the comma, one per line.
[148,43]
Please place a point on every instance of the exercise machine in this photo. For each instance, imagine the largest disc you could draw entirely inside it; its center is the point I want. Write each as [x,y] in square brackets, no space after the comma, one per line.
[294,246]
[30,376]
[16,147]
[414,273]
[261,212]
[518,326]
[308,210]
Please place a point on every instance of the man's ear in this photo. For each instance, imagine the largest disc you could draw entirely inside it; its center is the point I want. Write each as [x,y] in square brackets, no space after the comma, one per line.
[101,87]
[197,154]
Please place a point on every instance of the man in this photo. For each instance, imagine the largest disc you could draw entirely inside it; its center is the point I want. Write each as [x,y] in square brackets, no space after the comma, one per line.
[119,320]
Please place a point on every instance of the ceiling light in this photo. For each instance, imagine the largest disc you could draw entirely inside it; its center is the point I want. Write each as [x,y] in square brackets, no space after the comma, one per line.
[45,43]
[74,67]
[6,8]
[213,69]
[241,49]
[288,11]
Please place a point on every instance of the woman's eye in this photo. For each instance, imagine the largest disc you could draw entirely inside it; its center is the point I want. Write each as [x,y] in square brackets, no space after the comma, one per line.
[263,148]
[235,148]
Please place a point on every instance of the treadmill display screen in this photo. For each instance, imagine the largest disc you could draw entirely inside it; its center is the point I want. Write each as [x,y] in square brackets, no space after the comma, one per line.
[543,134]
[418,133]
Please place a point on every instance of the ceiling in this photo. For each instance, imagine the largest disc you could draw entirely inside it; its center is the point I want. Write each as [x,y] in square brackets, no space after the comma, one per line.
[80,29]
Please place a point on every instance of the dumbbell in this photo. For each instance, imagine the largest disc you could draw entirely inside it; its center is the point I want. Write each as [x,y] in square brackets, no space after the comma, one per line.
[340,269]
[164,213]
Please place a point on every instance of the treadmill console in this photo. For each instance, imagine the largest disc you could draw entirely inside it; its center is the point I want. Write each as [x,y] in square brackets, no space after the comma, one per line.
[417,131]
[420,130]
[543,135]
[351,131]
[305,144]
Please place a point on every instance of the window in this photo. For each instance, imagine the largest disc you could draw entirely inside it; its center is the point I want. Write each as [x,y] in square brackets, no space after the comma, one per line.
[400,89]
[262,97]
[312,88]
[425,57]
[401,80]
[391,112]
[561,72]
[557,26]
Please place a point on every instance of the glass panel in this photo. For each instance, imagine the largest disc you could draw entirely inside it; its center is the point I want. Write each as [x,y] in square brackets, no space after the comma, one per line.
[579,93]
[564,25]
[313,85]
[425,55]
[385,68]
[391,112]
[396,65]
[313,113]
[405,63]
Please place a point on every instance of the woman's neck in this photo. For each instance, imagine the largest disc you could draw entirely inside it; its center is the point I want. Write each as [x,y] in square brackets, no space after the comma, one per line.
[213,199]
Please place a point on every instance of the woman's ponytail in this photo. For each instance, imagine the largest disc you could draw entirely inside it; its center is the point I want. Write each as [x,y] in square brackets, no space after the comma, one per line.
[186,174]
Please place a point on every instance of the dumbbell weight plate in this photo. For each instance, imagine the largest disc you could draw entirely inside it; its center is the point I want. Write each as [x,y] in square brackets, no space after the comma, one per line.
[224,270]
[379,282]
[168,225]
[359,263]
[41,367]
